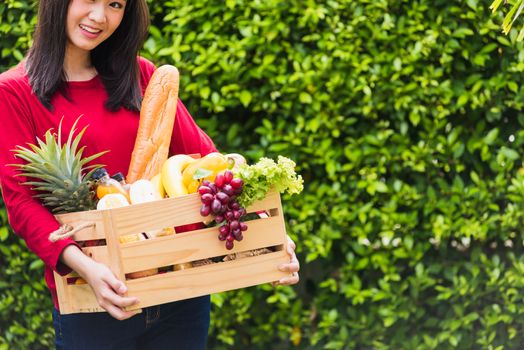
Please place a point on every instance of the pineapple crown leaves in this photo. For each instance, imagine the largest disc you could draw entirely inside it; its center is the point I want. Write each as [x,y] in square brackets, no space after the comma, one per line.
[57,165]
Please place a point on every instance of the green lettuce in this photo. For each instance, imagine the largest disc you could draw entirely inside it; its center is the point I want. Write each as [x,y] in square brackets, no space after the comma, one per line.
[265,175]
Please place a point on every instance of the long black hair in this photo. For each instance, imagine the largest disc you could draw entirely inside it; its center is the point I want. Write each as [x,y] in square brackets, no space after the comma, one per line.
[115,59]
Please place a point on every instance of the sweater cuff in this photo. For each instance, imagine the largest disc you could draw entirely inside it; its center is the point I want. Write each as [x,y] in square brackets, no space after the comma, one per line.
[57,265]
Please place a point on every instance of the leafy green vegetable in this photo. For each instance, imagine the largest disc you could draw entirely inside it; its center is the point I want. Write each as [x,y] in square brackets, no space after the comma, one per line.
[259,178]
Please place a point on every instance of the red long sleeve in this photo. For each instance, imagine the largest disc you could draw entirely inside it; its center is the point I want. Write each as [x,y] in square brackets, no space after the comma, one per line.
[23,118]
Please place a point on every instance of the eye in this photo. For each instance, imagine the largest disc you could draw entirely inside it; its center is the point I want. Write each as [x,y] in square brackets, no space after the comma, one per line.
[117,5]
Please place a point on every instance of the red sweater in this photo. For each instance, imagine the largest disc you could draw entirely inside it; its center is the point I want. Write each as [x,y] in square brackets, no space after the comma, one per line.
[23,118]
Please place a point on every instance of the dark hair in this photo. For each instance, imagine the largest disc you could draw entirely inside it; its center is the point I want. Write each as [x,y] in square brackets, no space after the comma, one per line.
[115,59]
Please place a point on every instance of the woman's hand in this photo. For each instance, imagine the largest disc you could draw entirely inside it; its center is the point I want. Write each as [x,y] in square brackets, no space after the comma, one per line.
[109,290]
[293,266]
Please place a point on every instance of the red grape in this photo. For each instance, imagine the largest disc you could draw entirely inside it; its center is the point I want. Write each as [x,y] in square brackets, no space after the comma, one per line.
[219,180]
[228,189]
[204,189]
[228,176]
[237,183]
[207,198]
[213,188]
[216,206]
[229,245]
[229,216]
[233,225]
[205,210]
[222,197]
[224,229]
[243,226]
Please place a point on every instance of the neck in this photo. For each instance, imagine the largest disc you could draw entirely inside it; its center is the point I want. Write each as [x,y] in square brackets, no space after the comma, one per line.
[77,65]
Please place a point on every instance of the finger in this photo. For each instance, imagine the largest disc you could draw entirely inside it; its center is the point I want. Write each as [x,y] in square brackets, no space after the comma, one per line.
[290,267]
[120,314]
[294,279]
[291,244]
[109,297]
[117,285]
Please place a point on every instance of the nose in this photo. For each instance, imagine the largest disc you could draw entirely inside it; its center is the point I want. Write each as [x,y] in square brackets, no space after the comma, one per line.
[97,13]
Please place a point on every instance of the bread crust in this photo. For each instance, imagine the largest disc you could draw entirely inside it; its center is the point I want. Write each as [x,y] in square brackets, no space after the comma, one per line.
[157,118]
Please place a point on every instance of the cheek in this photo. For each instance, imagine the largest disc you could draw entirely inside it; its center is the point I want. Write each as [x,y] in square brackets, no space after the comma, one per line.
[115,23]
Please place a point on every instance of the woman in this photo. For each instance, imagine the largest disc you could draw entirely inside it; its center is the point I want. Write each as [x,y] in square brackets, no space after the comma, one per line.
[84,62]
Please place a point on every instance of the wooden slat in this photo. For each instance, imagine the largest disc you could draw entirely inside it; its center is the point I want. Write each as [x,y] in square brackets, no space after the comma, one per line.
[207,279]
[113,247]
[83,298]
[63,294]
[171,212]
[92,216]
[191,246]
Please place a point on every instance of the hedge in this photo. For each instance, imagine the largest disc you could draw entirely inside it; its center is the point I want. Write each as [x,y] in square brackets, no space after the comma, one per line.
[404,118]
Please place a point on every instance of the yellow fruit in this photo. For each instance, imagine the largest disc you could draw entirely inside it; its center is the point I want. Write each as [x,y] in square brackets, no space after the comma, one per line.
[172,174]
[214,162]
[134,237]
[143,191]
[157,182]
[193,186]
[111,201]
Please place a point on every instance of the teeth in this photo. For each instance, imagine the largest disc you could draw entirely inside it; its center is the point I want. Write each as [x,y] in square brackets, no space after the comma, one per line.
[90,30]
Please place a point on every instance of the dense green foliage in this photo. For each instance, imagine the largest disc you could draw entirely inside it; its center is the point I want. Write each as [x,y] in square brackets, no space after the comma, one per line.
[404,119]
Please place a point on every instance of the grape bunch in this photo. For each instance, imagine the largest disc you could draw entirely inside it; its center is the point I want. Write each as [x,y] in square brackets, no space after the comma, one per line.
[219,199]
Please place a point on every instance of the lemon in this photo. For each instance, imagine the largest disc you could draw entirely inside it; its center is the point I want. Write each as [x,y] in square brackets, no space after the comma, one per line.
[111,201]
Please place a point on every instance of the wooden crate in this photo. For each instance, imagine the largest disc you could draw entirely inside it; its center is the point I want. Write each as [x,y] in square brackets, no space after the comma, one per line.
[125,258]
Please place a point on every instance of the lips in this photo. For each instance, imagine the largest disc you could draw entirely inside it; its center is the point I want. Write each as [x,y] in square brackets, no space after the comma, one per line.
[90,32]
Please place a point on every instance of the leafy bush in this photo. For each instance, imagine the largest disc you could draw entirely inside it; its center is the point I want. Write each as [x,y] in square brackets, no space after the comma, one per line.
[404,118]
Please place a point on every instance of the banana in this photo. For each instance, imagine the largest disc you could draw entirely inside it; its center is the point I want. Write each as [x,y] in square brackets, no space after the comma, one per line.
[171,174]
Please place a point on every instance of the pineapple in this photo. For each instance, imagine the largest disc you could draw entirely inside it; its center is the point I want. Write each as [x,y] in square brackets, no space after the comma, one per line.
[56,171]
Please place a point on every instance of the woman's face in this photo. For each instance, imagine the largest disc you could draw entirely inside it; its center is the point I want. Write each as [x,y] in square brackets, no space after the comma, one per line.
[90,22]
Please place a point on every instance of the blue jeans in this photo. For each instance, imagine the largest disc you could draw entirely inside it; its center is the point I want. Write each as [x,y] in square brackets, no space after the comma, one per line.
[179,325]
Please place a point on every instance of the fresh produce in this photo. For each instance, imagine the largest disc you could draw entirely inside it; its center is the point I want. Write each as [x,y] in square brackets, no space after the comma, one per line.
[57,171]
[231,192]
[237,160]
[172,174]
[259,178]
[219,199]
[157,117]
[205,168]
[157,182]
[143,191]
[112,201]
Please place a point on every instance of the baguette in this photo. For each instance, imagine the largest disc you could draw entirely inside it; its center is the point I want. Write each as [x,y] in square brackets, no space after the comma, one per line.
[157,118]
